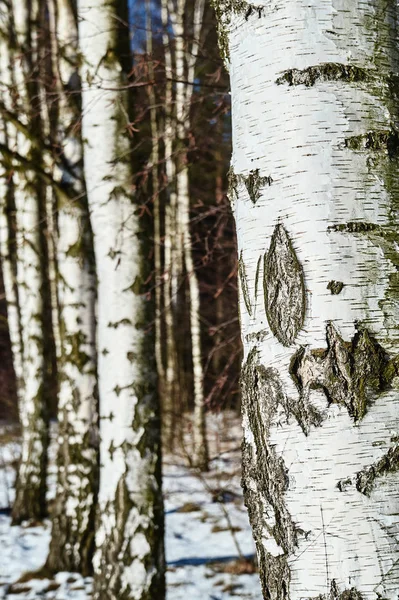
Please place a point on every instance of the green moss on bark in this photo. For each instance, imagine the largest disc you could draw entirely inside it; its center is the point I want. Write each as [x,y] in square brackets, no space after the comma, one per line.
[386,141]
[325,72]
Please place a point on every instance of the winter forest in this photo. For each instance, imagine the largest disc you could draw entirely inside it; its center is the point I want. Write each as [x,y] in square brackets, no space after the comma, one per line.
[199,299]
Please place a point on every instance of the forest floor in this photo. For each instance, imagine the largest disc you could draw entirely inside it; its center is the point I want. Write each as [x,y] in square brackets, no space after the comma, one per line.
[209,545]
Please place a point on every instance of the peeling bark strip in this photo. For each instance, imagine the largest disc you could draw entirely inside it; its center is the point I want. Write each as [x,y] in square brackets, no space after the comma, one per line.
[284,288]
[345,371]
[325,72]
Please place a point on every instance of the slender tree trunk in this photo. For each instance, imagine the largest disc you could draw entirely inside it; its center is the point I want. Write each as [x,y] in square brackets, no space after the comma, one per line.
[159,280]
[129,558]
[32,278]
[316,195]
[183,101]
[173,255]
[8,248]
[72,538]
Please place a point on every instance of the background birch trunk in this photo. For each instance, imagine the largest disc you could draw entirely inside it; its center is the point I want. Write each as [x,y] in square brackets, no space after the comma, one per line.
[130,527]
[316,196]
[72,536]
[32,271]
[8,247]
[172,251]
[185,61]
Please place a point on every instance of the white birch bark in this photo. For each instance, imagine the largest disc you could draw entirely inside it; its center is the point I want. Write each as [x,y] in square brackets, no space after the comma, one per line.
[172,250]
[315,193]
[129,559]
[71,546]
[185,67]
[8,248]
[29,196]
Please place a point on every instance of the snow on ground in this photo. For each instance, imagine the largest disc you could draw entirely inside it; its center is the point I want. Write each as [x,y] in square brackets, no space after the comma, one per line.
[209,545]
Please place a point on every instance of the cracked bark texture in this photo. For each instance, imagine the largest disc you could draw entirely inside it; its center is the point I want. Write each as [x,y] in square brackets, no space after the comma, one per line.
[129,557]
[315,107]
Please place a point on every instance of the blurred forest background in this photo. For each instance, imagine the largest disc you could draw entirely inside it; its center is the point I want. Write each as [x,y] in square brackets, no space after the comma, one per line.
[205,152]
[129,99]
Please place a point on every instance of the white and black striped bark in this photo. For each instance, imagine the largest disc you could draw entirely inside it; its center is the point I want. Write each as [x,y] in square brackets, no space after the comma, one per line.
[72,536]
[315,193]
[129,556]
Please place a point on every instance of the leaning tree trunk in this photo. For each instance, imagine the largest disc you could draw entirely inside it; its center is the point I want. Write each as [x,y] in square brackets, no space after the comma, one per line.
[129,558]
[72,536]
[316,197]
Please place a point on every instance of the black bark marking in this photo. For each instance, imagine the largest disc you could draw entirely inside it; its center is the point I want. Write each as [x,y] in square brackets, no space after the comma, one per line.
[386,141]
[253,182]
[284,288]
[335,287]
[324,72]
[365,479]
[353,227]
[345,371]
[244,284]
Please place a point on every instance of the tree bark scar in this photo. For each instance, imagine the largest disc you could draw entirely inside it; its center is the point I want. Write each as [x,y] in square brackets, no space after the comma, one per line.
[345,370]
[244,284]
[265,478]
[325,72]
[284,288]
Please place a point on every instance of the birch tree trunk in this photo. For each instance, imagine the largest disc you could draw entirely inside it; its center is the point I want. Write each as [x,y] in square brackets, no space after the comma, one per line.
[185,67]
[316,196]
[8,248]
[72,536]
[129,558]
[172,251]
[32,271]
